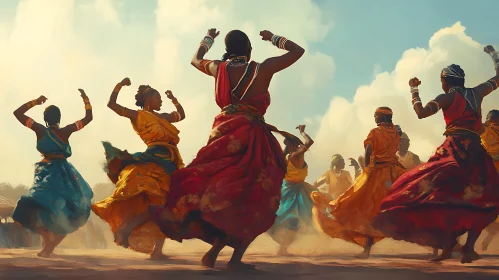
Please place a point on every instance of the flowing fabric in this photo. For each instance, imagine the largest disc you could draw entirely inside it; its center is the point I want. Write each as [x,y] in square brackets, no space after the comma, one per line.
[349,216]
[234,183]
[60,198]
[142,179]
[454,192]
[295,209]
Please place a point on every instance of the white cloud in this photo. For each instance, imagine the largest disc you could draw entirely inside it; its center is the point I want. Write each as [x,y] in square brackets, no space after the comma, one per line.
[53,48]
[346,124]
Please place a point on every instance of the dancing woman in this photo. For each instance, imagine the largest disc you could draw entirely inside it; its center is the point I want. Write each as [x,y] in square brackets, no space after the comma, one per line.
[142,179]
[59,201]
[337,179]
[234,183]
[456,191]
[295,210]
[349,216]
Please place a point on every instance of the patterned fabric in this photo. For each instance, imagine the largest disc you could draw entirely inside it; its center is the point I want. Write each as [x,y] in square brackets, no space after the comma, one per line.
[455,191]
[142,179]
[235,180]
[349,216]
[60,198]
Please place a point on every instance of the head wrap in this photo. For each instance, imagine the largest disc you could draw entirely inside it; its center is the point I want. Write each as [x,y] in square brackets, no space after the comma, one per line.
[453,70]
[385,111]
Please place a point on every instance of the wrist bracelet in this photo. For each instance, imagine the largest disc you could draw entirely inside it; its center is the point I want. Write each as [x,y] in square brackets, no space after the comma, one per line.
[207,42]
[88,106]
[117,87]
[31,104]
[414,89]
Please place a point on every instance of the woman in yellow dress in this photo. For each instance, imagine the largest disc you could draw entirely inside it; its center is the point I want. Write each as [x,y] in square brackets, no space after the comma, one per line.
[336,179]
[142,179]
[349,216]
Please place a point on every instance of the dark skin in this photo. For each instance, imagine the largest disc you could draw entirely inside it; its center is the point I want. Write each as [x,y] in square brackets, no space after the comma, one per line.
[491,119]
[152,103]
[445,101]
[63,133]
[297,158]
[50,239]
[260,85]
[378,118]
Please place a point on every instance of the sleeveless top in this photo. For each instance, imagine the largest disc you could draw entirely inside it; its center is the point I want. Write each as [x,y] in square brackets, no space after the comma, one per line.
[294,174]
[464,114]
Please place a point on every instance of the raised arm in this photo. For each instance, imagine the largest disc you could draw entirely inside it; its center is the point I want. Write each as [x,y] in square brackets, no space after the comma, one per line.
[78,125]
[209,67]
[308,142]
[275,64]
[443,101]
[27,121]
[490,85]
[356,167]
[118,109]
[174,116]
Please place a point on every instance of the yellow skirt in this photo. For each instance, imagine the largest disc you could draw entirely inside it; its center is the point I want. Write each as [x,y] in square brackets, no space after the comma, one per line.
[349,217]
[138,187]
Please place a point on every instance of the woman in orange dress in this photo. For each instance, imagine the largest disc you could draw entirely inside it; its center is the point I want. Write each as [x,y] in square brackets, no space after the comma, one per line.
[349,216]
[142,179]
[456,191]
[337,179]
[229,194]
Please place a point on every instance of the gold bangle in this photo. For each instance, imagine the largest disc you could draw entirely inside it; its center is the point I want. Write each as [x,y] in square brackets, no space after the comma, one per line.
[117,87]
[31,104]
[88,106]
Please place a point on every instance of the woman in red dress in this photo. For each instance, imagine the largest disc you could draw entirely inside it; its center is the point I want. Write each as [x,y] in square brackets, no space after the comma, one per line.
[230,192]
[457,190]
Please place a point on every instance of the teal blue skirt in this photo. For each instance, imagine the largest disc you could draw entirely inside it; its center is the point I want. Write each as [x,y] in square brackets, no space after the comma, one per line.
[58,201]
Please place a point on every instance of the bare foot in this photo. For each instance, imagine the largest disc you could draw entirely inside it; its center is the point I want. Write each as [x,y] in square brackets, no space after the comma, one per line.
[470,257]
[283,252]
[208,260]
[158,257]
[362,256]
[240,266]
[44,253]
[121,238]
[435,253]
[446,254]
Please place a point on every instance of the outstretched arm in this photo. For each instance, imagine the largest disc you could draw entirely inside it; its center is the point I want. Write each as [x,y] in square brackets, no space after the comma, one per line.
[209,67]
[118,109]
[489,86]
[275,64]
[78,125]
[174,116]
[27,121]
[443,101]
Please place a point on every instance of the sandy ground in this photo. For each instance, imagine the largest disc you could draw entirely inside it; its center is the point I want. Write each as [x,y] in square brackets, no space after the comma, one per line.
[315,258]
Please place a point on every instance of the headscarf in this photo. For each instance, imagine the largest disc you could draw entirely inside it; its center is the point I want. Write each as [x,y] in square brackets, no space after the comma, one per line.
[385,111]
[335,160]
[453,70]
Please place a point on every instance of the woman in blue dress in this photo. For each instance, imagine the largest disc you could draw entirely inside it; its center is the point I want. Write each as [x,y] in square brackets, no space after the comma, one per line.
[295,210]
[59,201]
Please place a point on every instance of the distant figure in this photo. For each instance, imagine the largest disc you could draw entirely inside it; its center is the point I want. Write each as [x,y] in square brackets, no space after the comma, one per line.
[295,210]
[58,203]
[456,191]
[349,216]
[407,158]
[336,180]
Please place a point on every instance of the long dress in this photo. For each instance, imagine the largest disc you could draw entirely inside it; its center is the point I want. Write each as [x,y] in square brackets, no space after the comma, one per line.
[59,200]
[455,191]
[234,183]
[142,179]
[349,216]
[295,210]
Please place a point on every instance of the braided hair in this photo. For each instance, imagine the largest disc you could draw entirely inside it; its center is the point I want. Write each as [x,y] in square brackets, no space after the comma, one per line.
[144,92]
[237,44]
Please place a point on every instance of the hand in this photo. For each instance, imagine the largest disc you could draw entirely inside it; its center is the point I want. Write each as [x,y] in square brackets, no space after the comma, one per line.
[40,100]
[266,35]
[414,82]
[353,163]
[489,49]
[213,33]
[126,82]
[83,94]
[301,128]
[169,94]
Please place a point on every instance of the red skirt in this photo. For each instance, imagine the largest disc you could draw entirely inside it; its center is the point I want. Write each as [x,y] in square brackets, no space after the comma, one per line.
[455,191]
[234,183]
